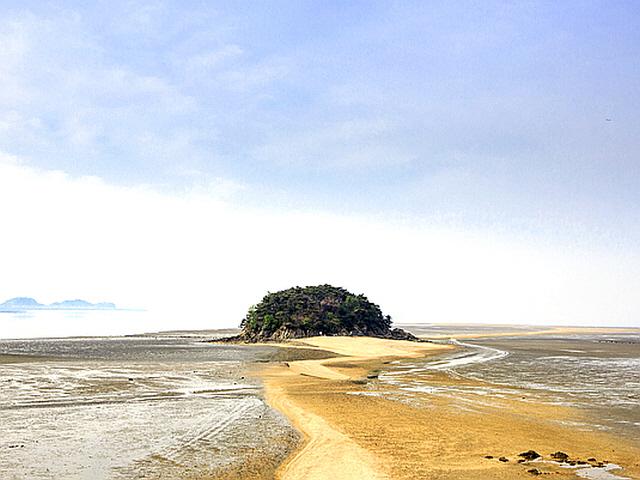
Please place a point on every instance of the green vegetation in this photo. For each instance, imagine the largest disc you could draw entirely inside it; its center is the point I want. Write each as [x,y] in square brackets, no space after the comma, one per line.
[317,310]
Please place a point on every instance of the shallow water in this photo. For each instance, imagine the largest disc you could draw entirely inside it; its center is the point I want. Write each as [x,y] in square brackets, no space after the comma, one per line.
[66,323]
[599,374]
[133,408]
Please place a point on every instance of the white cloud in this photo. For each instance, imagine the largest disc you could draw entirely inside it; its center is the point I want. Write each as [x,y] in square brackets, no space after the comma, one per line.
[7,159]
[15,41]
[257,75]
[212,59]
[70,100]
[143,16]
[199,261]
[349,144]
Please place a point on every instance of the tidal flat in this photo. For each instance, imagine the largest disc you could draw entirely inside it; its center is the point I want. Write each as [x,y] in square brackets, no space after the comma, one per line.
[140,407]
[464,405]
[596,373]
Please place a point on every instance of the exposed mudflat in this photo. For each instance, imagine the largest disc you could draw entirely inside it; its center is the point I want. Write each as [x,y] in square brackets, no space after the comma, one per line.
[172,406]
[144,407]
[596,373]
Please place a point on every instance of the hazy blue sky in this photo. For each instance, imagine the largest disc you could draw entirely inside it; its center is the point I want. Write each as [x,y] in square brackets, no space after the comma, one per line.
[515,119]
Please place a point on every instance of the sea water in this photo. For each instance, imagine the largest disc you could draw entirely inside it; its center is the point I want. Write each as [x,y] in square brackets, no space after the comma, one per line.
[42,323]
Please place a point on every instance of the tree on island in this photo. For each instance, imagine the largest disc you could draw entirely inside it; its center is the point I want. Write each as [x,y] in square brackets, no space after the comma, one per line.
[317,310]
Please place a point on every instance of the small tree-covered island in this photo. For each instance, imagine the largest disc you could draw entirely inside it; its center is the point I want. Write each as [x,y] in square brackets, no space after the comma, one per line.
[317,310]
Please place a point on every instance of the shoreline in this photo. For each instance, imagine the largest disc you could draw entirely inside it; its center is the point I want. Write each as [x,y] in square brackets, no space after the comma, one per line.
[350,435]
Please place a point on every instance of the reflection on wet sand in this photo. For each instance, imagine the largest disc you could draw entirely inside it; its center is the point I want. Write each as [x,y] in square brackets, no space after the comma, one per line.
[135,408]
[599,374]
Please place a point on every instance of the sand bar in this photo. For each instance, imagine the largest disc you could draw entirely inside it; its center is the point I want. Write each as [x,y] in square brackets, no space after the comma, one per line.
[349,436]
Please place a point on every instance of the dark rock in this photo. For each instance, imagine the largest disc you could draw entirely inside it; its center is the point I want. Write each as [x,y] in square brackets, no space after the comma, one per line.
[534,471]
[399,334]
[529,455]
[503,459]
[591,459]
[560,456]
[488,457]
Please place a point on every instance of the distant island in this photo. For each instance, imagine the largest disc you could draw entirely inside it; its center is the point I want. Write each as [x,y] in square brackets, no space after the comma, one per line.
[316,310]
[27,303]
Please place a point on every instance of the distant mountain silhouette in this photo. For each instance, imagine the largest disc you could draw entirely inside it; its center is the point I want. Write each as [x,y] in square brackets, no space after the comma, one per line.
[22,302]
[27,303]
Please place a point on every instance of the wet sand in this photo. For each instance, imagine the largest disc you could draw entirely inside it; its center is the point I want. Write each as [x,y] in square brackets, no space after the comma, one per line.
[109,408]
[351,432]
[180,408]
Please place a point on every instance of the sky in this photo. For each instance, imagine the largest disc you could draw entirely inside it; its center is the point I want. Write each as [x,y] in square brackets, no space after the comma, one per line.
[455,161]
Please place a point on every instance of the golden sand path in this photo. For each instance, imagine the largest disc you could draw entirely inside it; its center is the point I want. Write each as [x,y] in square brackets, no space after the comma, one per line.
[326,452]
[367,437]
